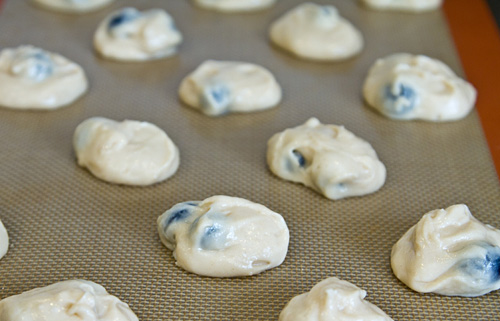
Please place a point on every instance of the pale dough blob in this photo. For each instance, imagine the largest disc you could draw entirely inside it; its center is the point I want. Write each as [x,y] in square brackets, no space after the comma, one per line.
[32,78]
[224,236]
[449,252]
[404,86]
[73,300]
[235,5]
[128,152]
[328,158]
[73,6]
[132,35]
[316,32]
[404,5]
[4,241]
[219,87]
[335,300]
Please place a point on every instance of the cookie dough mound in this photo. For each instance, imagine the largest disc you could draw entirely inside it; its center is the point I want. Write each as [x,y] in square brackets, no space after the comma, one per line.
[332,299]
[73,6]
[404,5]
[235,5]
[128,152]
[4,240]
[311,31]
[219,87]
[405,87]
[131,35]
[224,236]
[449,252]
[32,78]
[66,301]
[328,158]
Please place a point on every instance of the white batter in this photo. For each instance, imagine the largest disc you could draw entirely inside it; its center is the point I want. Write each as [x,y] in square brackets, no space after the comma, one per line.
[74,300]
[404,5]
[404,86]
[73,6]
[311,31]
[335,300]
[132,35]
[235,5]
[219,87]
[328,158]
[224,236]
[4,241]
[32,78]
[128,152]
[449,252]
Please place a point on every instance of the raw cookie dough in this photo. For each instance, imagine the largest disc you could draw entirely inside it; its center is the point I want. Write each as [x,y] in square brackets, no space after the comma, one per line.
[73,6]
[316,32]
[224,236]
[32,78]
[131,35]
[404,86]
[66,301]
[328,158]
[404,5]
[219,87]
[128,152]
[235,5]
[4,241]
[449,252]
[332,299]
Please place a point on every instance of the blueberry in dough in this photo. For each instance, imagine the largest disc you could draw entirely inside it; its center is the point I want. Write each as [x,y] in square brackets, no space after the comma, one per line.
[400,99]
[122,17]
[483,269]
[216,99]
[43,66]
[300,158]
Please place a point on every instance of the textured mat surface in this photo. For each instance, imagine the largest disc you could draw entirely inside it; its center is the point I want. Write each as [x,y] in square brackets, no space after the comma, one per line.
[64,223]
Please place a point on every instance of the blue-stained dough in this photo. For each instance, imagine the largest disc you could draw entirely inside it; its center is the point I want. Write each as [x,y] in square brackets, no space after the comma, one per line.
[179,212]
[299,157]
[216,99]
[124,16]
[41,65]
[402,102]
[483,269]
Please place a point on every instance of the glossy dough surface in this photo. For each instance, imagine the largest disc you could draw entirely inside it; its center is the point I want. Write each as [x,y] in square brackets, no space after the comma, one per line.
[449,252]
[73,6]
[4,240]
[404,5]
[128,152]
[224,236]
[404,86]
[328,158]
[219,87]
[311,31]
[131,35]
[332,299]
[234,5]
[32,78]
[73,300]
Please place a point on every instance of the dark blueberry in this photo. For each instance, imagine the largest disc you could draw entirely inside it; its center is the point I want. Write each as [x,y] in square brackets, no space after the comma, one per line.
[300,158]
[487,268]
[213,237]
[400,103]
[216,99]
[180,212]
[122,17]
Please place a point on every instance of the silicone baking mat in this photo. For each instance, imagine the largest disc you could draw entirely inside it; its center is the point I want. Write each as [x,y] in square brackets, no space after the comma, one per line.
[66,224]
